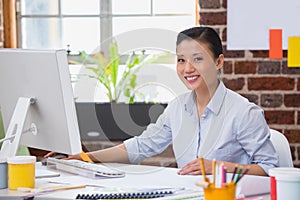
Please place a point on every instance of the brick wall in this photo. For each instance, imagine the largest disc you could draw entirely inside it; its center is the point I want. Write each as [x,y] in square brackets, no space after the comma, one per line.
[1,26]
[268,83]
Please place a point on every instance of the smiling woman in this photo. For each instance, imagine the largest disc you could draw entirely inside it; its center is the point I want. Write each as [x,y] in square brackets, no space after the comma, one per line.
[210,121]
[220,136]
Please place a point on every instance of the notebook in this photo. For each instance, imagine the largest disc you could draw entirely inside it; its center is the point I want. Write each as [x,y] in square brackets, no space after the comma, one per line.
[138,194]
[132,195]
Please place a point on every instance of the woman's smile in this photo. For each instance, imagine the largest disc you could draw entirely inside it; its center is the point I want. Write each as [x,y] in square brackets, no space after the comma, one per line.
[192,79]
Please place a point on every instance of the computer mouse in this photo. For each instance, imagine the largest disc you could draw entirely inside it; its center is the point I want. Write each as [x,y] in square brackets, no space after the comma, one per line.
[58,156]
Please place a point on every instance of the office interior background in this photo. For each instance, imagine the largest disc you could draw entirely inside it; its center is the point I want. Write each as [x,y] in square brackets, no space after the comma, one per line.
[268,83]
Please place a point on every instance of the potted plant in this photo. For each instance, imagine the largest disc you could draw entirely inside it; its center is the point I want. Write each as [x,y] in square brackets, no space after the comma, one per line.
[118,120]
[108,72]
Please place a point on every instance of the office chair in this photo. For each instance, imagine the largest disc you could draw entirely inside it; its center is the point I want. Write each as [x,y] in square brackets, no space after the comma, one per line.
[282,148]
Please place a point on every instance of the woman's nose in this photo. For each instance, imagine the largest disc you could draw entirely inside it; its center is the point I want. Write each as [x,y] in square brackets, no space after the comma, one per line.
[189,67]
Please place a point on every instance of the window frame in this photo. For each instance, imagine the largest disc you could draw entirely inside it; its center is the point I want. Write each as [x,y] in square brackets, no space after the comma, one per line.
[106,19]
[9,24]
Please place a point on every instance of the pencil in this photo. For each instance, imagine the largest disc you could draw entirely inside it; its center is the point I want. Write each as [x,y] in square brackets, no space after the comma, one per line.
[68,187]
[214,170]
[45,191]
[202,184]
[202,169]
[85,157]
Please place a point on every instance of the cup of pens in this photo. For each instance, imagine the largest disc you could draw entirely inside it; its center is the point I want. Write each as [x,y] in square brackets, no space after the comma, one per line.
[220,187]
[225,192]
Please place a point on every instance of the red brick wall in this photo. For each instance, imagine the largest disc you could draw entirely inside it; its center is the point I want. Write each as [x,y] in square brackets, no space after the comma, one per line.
[1,26]
[268,83]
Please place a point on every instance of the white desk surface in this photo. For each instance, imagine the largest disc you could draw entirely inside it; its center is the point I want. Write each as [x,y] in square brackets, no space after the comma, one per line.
[137,177]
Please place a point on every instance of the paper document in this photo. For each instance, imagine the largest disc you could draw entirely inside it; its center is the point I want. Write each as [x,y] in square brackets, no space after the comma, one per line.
[43,173]
[253,185]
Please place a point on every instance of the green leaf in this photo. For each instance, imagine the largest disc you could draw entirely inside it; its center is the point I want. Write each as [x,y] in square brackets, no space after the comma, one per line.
[131,100]
[114,62]
[127,92]
[133,81]
[136,61]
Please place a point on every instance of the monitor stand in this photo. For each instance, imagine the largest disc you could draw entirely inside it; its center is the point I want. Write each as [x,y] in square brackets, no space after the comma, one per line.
[15,129]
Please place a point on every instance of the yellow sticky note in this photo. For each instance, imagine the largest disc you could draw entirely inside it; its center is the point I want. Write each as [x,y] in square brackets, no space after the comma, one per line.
[294,51]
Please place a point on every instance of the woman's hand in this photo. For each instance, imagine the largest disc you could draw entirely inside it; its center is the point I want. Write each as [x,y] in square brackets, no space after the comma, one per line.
[193,167]
[63,156]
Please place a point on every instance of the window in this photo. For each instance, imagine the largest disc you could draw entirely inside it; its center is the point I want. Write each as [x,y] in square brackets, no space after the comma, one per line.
[84,25]
[88,25]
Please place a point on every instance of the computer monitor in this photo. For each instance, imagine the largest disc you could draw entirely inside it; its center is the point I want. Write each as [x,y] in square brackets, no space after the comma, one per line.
[36,100]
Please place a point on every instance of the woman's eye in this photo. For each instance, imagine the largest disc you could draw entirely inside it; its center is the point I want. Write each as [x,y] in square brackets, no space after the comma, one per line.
[180,60]
[198,59]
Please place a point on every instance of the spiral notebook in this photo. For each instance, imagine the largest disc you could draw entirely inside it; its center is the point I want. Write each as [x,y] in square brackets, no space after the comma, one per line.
[139,194]
[132,195]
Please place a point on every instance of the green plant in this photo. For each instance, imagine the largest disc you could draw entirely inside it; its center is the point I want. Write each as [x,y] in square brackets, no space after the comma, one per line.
[108,72]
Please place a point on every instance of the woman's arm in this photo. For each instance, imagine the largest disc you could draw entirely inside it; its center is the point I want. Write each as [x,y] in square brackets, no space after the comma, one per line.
[193,168]
[113,154]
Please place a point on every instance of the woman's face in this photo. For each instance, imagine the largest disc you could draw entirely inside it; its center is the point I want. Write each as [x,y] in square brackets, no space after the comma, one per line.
[196,65]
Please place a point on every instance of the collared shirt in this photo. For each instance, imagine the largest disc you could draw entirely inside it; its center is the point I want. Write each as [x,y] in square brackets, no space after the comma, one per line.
[231,129]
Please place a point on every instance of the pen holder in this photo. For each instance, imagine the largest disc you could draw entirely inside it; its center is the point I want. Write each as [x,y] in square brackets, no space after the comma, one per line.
[21,172]
[226,192]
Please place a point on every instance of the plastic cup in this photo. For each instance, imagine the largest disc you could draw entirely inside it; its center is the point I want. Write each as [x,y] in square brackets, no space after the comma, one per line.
[273,183]
[288,185]
[21,172]
[224,193]
[3,173]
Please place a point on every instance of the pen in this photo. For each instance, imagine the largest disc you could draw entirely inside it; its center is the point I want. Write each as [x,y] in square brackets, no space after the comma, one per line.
[218,178]
[238,174]
[222,173]
[245,172]
[234,172]
[225,175]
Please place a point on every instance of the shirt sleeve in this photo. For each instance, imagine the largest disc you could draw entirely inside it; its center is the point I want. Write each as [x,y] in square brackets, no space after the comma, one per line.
[254,137]
[156,138]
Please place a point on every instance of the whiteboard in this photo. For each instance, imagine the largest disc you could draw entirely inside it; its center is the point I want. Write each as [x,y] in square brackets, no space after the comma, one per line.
[249,22]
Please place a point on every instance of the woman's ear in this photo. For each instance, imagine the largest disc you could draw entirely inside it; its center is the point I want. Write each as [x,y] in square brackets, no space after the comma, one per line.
[220,62]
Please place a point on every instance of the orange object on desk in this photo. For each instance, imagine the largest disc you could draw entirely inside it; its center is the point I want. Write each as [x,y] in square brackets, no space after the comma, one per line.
[85,157]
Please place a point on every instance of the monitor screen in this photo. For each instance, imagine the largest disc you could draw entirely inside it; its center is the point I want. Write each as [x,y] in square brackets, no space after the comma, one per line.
[42,76]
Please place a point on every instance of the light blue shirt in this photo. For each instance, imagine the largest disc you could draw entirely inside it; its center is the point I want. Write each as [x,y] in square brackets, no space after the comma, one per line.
[231,129]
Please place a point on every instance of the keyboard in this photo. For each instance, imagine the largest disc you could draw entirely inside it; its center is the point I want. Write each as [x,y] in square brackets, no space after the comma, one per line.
[82,168]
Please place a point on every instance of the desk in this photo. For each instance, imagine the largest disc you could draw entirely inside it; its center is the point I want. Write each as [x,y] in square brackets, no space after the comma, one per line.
[137,176]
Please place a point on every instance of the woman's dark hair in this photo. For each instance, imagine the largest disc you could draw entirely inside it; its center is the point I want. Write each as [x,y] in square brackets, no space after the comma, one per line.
[203,34]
